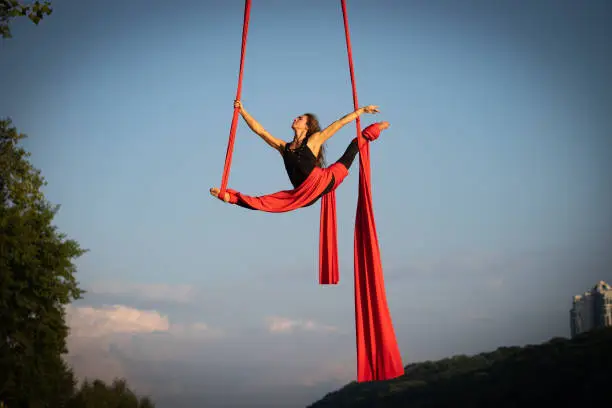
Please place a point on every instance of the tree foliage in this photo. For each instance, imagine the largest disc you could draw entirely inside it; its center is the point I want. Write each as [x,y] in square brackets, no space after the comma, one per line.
[560,372]
[36,282]
[97,394]
[10,9]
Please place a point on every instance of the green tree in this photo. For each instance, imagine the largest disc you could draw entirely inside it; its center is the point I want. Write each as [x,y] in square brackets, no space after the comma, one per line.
[9,9]
[97,394]
[36,282]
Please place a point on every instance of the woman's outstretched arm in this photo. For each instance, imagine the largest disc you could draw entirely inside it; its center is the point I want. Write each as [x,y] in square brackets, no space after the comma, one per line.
[329,131]
[257,128]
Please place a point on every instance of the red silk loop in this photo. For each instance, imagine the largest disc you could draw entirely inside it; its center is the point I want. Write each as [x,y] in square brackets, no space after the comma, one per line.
[222,194]
[371,132]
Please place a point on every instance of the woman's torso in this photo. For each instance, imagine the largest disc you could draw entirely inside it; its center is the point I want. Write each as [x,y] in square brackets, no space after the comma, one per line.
[299,162]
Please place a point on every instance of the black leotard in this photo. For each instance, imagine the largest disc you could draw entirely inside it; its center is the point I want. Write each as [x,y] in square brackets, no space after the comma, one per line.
[299,163]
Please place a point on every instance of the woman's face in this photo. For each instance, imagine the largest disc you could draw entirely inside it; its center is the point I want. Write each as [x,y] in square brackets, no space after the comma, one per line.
[299,123]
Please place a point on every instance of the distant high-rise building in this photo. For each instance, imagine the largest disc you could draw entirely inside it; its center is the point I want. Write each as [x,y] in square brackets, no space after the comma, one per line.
[592,309]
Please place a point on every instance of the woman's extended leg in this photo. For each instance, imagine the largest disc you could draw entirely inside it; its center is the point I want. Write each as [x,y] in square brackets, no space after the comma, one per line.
[353,147]
[349,154]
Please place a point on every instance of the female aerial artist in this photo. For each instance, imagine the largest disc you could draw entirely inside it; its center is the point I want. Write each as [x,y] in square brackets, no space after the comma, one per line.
[378,356]
[304,160]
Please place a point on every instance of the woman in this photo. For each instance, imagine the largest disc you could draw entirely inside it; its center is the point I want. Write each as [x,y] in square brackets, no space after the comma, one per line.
[306,150]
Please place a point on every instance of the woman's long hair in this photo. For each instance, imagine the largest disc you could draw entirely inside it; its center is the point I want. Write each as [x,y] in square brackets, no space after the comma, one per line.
[314,127]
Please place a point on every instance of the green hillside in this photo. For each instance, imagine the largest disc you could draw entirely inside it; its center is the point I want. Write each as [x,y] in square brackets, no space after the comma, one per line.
[560,372]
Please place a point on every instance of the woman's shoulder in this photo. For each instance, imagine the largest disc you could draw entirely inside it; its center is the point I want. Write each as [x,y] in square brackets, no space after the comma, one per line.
[282,146]
[315,139]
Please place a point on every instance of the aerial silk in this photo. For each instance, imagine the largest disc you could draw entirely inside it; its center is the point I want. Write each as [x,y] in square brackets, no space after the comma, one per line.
[378,355]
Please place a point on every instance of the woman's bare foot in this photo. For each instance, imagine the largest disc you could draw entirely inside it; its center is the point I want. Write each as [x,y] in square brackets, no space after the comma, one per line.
[215,192]
[383,125]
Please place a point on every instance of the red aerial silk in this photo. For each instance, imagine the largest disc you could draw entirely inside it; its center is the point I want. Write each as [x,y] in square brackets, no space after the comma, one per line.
[289,200]
[378,355]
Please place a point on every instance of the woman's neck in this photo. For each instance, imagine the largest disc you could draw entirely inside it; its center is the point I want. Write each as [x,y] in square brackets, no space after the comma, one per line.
[299,136]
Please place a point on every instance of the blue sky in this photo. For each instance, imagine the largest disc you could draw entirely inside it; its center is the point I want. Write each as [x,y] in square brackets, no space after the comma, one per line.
[492,188]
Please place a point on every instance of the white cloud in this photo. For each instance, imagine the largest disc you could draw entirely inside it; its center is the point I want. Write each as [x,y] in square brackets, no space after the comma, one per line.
[120,320]
[161,357]
[160,291]
[277,324]
[104,341]
[96,322]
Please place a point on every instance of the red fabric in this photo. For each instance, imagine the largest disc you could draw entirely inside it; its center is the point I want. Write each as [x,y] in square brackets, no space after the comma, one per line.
[378,356]
[234,125]
[289,200]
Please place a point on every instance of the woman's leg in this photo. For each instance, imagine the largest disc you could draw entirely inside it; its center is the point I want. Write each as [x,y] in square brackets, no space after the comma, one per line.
[349,154]
[370,133]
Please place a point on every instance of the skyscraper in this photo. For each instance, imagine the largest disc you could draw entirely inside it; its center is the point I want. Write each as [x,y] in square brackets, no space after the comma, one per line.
[592,309]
